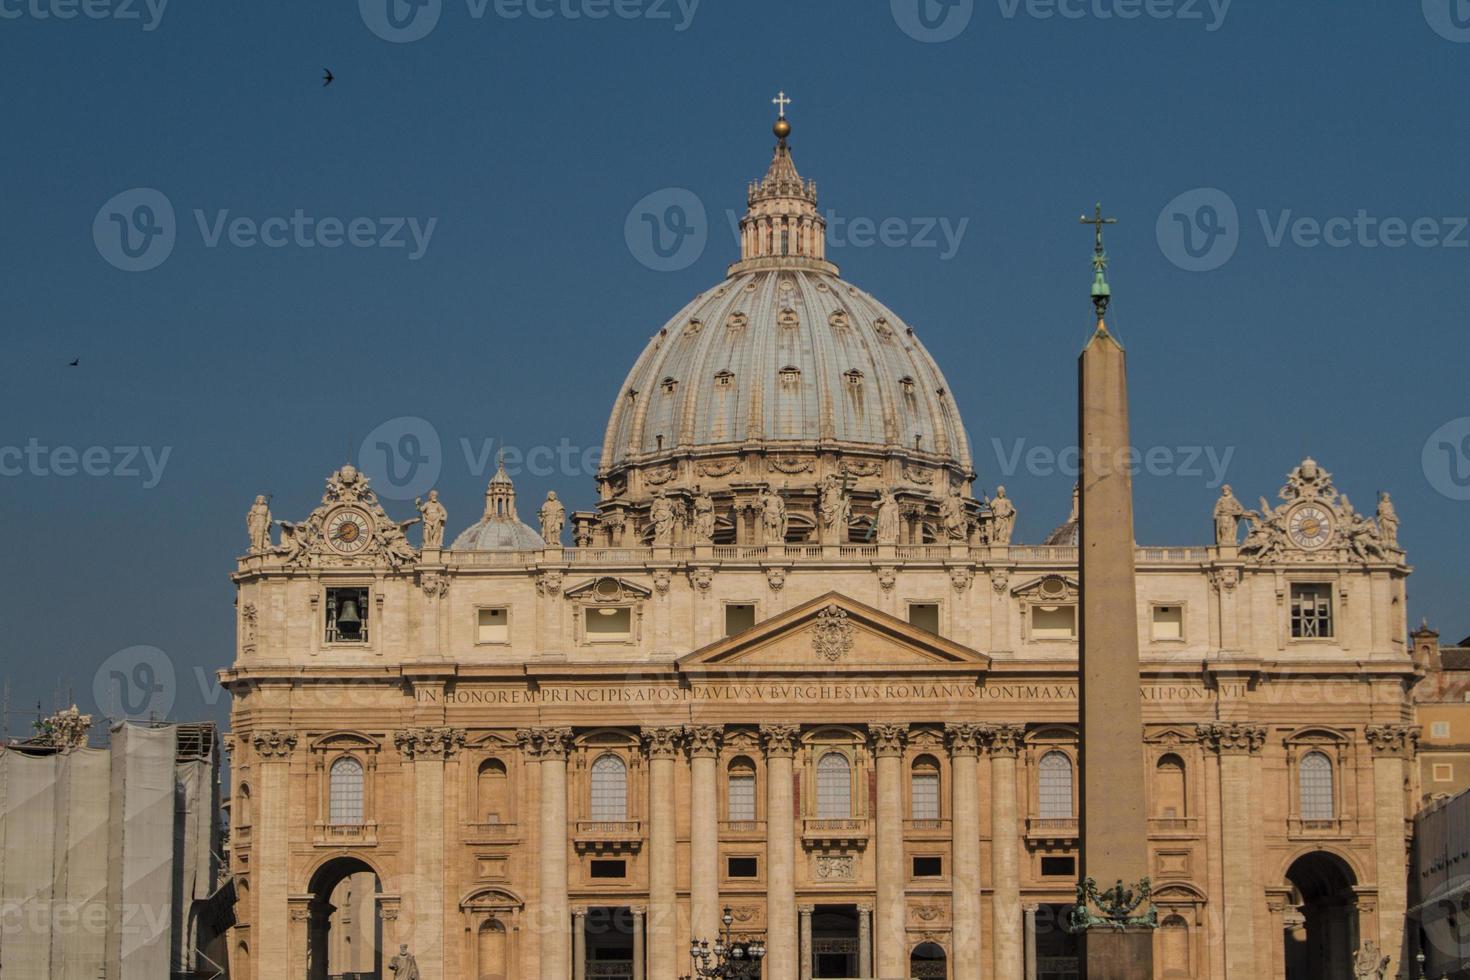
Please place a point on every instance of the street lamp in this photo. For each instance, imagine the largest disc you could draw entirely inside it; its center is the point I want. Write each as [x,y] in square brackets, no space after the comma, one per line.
[727,959]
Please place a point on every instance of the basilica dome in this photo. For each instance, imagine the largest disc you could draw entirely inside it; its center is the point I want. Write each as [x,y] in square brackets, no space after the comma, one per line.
[500,529]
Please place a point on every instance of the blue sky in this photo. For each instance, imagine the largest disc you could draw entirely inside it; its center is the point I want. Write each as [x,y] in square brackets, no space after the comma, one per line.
[517,145]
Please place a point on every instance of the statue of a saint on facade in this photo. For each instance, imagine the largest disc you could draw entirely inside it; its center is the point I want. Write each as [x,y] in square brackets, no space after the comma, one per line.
[835,508]
[704,519]
[434,515]
[258,523]
[404,966]
[887,520]
[553,516]
[661,515]
[1388,522]
[953,517]
[1002,518]
[773,516]
[1228,513]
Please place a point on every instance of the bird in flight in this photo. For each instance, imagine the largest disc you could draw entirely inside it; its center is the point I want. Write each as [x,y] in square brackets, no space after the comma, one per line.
[74,362]
[327,77]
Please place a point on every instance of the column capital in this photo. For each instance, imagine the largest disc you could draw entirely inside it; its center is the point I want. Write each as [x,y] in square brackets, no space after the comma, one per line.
[888,740]
[1393,741]
[963,738]
[865,908]
[579,911]
[806,909]
[703,740]
[273,744]
[662,742]
[545,744]
[1232,738]
[429,743]
[779,740]
[637,911]
[1003,740]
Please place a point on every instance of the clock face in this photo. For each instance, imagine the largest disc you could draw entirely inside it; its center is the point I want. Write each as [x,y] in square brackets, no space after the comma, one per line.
[348,531]
[1310,526]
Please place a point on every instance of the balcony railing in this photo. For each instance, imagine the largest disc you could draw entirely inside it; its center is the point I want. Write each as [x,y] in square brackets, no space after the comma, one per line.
[1173,825]
[336,834]
[600,836]
[856,551]
[936,829]
[1051,830]
[835,832]
[742,828]
[494,831]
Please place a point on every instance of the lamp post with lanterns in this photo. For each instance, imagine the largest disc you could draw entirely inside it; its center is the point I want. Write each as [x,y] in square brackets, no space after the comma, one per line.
[726,959]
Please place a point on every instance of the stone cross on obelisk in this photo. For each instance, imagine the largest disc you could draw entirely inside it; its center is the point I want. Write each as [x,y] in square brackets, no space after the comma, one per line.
[1115,914]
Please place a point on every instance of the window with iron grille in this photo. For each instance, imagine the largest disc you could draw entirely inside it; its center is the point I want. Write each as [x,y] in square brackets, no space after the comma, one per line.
[1311,611]
[742,794]
[925,791]
[609,789]
[346,793]
[1316,786]
[834,787]
[1054,784]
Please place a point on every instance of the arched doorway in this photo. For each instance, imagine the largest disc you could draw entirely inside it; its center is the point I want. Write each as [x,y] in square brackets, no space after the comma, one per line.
[344,937]
[928,962]
[1322,935]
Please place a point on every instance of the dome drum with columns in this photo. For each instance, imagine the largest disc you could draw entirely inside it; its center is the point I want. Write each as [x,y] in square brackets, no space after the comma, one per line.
[781,379]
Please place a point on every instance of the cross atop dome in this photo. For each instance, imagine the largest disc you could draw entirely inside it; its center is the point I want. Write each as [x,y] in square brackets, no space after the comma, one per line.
[782,226]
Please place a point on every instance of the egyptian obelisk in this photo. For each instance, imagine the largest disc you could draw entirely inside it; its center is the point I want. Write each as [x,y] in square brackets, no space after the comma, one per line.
[1117,940]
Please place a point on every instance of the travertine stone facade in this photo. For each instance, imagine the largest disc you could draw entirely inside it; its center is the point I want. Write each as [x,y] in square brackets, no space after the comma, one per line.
[814,681]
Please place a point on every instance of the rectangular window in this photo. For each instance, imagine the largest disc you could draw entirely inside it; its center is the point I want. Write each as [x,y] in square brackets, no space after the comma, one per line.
[1054,622]
[926,795]
[928,867]
[1059,867]
[924,615]
[1168,623]
[741,867]
[739,616]
[1311,611]
[347,615]
[493,626]
[609,624]
[742,797]
[1440,729]
[609,869]
[1444,772]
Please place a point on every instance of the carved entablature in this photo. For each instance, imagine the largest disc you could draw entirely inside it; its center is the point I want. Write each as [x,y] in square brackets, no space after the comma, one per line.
[273,744]
[1232,738]
[429,743]
[1393,741]
[349,528]
[1316,523]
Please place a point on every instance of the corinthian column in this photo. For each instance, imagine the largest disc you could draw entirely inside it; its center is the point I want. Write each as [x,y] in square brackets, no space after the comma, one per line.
[1235,744]
[888,743]
[551,746]
[703,742]
[273,834]
[964,764]
[781,957]
[1005,846]
[429,749]
[662,745]
[1393,749]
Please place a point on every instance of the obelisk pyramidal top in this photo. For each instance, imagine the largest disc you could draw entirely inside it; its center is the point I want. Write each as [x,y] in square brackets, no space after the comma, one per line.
[1115,910]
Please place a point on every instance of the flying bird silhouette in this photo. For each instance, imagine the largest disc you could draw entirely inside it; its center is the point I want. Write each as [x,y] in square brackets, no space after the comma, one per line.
[75,362]
[327,77]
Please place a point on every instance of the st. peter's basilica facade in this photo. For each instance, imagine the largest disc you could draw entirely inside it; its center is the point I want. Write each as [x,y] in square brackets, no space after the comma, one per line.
[791,666]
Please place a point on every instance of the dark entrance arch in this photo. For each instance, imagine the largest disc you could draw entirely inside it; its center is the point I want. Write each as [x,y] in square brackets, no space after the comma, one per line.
[344,936]
[1322,937]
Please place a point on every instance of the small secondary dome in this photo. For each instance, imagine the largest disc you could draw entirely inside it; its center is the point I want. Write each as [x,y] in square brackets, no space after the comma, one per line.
[500,529]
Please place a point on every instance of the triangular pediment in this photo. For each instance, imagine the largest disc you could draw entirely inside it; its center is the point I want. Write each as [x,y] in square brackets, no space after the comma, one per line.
[837,634]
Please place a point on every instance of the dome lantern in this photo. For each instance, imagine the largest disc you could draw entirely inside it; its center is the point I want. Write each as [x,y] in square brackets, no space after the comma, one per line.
[782,227]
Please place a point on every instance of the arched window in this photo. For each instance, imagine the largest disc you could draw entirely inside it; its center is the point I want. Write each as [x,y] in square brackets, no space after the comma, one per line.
[609,789]
[346,792]
[924,789]
[928,961]
[1169,795]
[741,790]
[1054,784]
[834,787]
[490,789]
[1316,787]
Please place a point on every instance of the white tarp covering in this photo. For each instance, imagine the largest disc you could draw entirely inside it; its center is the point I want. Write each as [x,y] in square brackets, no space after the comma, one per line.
[140,868]
[29,828]
[79,926]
